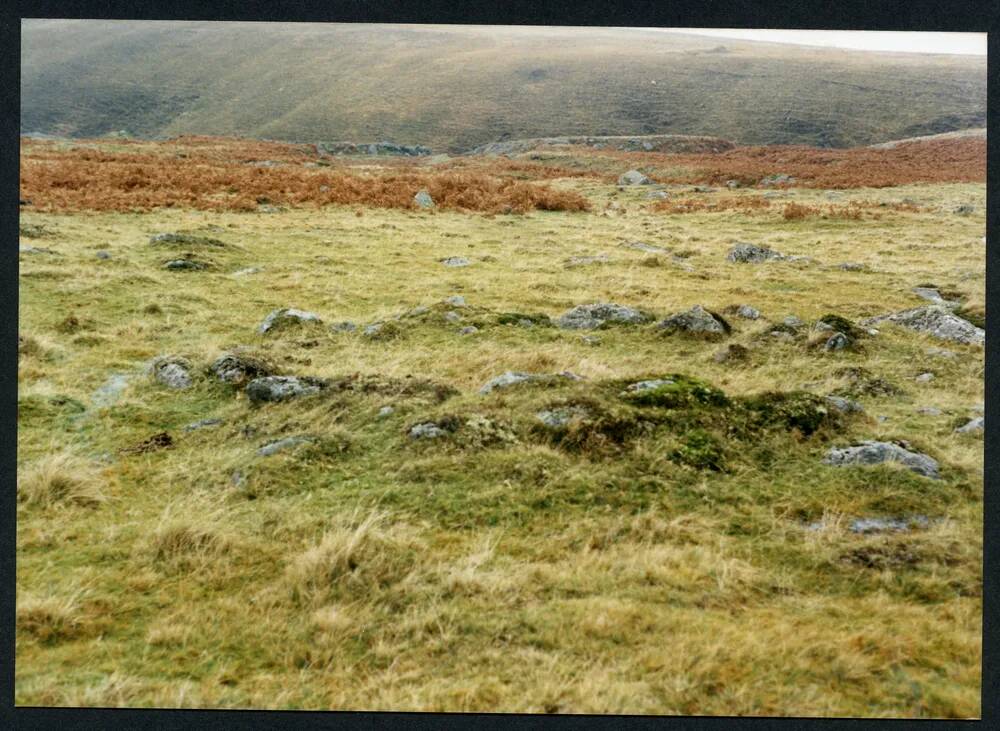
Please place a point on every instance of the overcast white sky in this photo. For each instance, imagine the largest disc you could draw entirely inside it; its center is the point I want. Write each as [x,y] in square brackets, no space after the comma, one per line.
[869,40]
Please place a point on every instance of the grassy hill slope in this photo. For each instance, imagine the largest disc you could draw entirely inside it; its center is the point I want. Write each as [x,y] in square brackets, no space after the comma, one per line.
[454,87]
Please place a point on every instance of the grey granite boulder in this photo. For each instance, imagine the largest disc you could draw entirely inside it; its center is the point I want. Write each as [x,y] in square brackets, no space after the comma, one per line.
[633,177]
[286,316]
[743,253]
[937,321]
[697,321]
[977,424]
[171,371]
[873,453]
[236,368]
[423,199]
[283,445]
[589,317]
[282,388]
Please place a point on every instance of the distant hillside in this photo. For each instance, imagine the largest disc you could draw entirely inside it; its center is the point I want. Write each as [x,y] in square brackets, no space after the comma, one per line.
[452,88]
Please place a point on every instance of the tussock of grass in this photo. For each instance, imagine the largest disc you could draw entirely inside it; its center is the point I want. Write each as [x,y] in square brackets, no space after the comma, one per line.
[61,478]
[51,619]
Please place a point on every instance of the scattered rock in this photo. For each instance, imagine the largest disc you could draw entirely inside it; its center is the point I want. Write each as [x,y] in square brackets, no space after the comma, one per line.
[743,253]
[452,316]
[282,445]
[181,264]
[382,331]
[513,378]
[427,430]
[589,317]
[247,271]
[111,390]
[793,322]
[777,179]
[456,301]
[633,177]
[929,411]
[702,189]
[974,425]
[837,341]
[933,295]
[176,239]
[345,326]
[937,321]
[282,388]
[850,266]
[103,255]
[238,478]
[845,405]
[650,385]
[697,321]
[964,210]
[468,330]
[238,368]
[924,378]
[658,195]
[36,250]
[171,371]
[561,416]
[884,525]
[872,452]
[455,261]
[202,424]
[423,199]
[591,340]
[747,312]
[287,316]
[385,412]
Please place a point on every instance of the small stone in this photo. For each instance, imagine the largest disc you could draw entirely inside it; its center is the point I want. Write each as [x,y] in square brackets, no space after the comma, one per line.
[455,261]
[929,411]
[845,405]
[850,266]
[743,253]
[964,210]
[651,385]
[282,445]
[468,330]
[423,199]
[238,478]
[937,321]
[287,316]
[183,239]
[591,340]
[171,371]
[345,326]
[561,416]
[977,424]
[872,452]
[452,316]
[282,388]
[837,341]
[525,322]
[202,424]
[697,320]
[505,380]
[657,195]
[236,368]
[793,321]
[633,177]
[428,430]
[103,255]
[924,378]
[386,411]
[747,312]
[183,264]
[932,295]
[247,271]
[589,317]
[456,301]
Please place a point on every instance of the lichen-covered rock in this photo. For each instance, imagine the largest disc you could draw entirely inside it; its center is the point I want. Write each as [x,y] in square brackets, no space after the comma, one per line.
[184,264]
[345,326]
[933,295]
[747,312]
[287,316]
[282,388]
[423,199]
[937,321]
[427,430]
[696,321]
[171,371]
[837,341]
[238,368]
[873,453]
[513,378]
[633,177]
[589,317]
[743,253]
[845,405]
[559,417]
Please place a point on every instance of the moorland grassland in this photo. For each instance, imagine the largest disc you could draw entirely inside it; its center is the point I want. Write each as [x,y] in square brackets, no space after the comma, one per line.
[688,554]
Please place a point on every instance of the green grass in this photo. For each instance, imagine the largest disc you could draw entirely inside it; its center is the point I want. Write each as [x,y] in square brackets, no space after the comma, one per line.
[655,559]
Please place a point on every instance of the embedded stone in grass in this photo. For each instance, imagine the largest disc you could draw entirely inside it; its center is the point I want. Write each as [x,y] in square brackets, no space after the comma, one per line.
[974,425]
[592,316]
[171,371]
[382,331]
[884,525]
[423,199]
[182,264]
[929,411]
[933,295]
[845,405]
[103,255]
[650,385]
[468,330]
[455,261]
[111,390]
[247,271]
[941,352]
[850,266]
[202,424]
[777,179]
[385,411]
[657,195]
[345,326]
[282,388]
[591,340]
[283,445]
[287,316]
[743,253]
[427,430]
[696,321]
[874,452]
[178,239]
[452,316]
[37,250]
[513,378]
[456,301]
[964,210]
[731,353]
[633,177]
[924,378]
[937,321]
[560,416]
[747,312]
[837,341]
[238,368]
